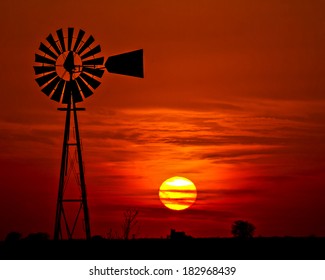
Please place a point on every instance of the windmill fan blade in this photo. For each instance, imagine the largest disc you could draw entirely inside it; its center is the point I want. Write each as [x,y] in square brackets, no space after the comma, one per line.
[53,44]
[89,41]
[61,39]
[46,78]
[81,33]
[89,80]
[94,51]
[56,96]
[51,85]
[43,59]
[70,36]
[95,61]
[43,69]
[130,64]
[77,97]
[47,51]
[84,87]
[96,72]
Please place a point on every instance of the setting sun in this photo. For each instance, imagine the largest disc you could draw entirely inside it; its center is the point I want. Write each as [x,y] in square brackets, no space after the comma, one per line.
[177,193]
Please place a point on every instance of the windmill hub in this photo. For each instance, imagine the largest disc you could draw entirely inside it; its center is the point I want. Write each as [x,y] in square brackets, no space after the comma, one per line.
[68,66]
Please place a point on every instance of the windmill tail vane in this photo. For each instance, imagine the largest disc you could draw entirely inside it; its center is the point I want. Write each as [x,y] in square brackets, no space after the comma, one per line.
[68,69]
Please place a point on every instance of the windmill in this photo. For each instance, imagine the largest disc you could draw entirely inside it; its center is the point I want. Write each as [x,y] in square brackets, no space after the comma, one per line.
[68,70]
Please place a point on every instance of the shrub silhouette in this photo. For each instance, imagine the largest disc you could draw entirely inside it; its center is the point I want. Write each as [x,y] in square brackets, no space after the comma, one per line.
[13,236]
[38,236]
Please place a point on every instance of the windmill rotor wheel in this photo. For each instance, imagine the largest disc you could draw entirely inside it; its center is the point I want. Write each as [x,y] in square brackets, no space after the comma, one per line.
[68,65]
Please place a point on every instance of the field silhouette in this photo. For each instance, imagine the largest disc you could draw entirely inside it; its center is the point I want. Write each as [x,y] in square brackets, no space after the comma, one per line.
[257,248]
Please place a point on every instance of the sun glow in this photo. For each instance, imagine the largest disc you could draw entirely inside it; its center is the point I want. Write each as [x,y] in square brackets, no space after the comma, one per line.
[177,193]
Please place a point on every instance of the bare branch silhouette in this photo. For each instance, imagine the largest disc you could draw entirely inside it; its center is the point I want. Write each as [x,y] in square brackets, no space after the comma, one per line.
[130,221]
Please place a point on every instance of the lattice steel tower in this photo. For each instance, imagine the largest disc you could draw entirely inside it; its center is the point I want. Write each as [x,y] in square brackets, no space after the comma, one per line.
[68,70]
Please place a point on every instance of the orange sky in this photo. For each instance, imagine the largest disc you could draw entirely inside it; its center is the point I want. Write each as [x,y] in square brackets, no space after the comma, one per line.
[233,99]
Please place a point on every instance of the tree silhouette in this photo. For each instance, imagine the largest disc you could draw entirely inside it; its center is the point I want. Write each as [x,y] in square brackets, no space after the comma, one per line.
[129,222]
[242,229]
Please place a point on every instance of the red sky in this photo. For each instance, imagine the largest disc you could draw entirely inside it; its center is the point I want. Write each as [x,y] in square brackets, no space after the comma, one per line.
[232,99]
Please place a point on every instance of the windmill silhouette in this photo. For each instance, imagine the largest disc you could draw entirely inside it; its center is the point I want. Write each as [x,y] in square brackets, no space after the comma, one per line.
[68,70]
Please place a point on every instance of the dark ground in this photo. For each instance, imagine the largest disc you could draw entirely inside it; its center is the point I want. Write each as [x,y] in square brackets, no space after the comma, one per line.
[259,248]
